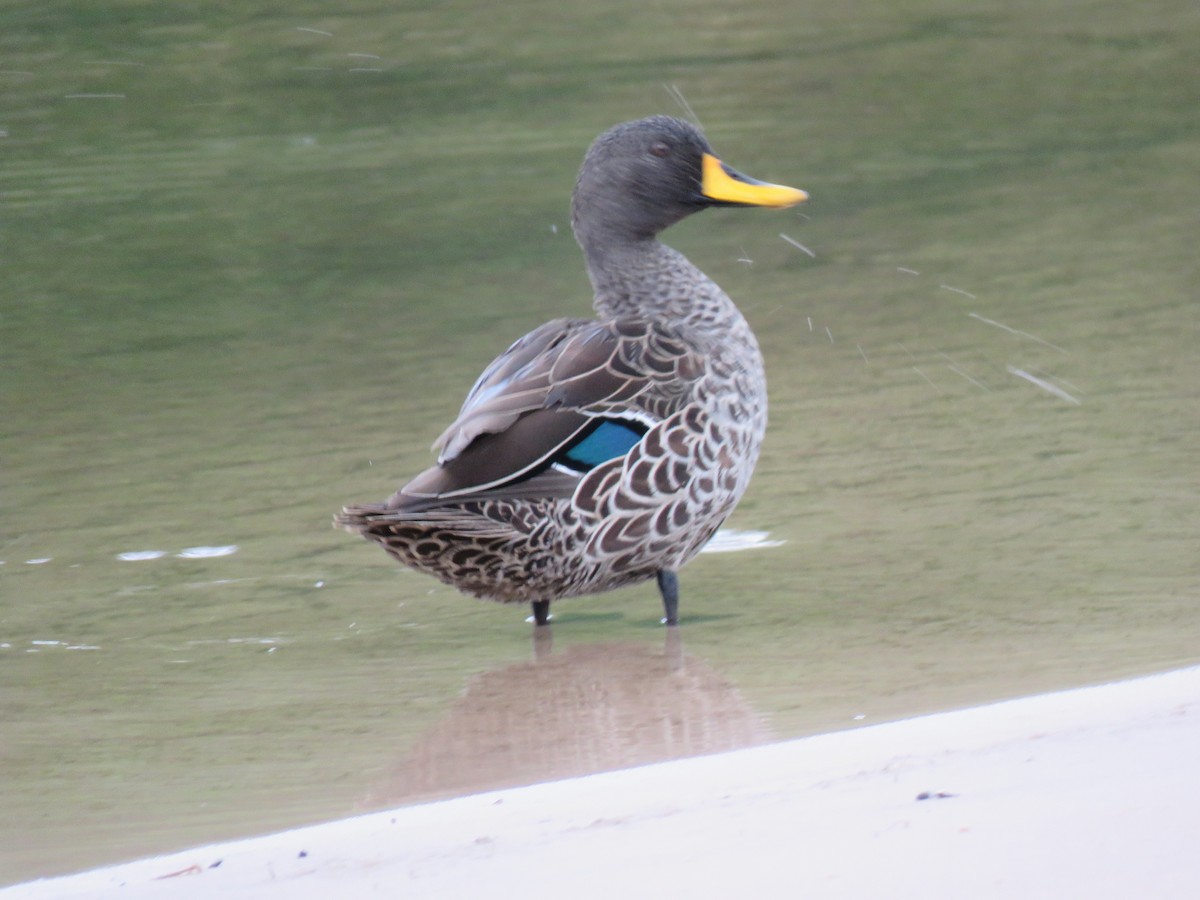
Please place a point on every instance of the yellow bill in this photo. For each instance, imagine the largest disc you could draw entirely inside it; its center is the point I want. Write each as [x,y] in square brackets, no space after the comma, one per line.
[724,185]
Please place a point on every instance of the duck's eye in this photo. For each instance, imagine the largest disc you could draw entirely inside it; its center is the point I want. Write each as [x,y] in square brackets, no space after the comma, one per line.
[660,149]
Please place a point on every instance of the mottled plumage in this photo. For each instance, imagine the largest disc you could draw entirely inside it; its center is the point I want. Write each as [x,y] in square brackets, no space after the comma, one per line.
[597,453]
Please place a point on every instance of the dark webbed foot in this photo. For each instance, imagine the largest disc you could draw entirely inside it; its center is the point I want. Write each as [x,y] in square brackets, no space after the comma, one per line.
[541,612]
[668,586]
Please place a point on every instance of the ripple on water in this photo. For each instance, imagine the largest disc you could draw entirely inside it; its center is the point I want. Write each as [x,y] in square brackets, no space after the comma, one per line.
[38,645]
[141,555]
[207,552]
[727,540]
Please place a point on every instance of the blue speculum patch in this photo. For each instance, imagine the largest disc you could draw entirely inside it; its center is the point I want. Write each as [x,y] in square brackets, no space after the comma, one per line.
[605,440]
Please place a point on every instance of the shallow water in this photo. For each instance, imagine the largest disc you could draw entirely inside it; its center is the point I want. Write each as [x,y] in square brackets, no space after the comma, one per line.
[254,259]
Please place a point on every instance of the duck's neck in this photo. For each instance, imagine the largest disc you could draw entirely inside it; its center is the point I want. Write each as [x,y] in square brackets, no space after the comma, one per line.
[645,278]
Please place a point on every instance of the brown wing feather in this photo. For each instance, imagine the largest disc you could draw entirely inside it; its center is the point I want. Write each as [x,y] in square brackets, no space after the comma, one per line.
[494,458]
[514,383]
[536,397]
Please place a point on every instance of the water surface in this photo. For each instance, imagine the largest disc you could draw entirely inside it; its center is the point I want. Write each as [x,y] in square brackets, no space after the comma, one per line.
[253,258]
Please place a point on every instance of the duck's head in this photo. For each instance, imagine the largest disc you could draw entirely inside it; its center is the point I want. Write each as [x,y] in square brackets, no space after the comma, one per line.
[641,177]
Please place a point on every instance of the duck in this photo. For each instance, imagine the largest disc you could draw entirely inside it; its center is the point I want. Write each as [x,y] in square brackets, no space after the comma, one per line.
[596,453]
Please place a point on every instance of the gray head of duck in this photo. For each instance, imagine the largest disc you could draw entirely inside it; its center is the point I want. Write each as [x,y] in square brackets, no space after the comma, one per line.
[641,177]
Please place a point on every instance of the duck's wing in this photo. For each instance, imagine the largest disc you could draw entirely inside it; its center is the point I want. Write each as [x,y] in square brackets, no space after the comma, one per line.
[564,398]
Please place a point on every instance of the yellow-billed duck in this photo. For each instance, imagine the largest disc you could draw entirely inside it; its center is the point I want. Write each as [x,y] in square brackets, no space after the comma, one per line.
[596,453]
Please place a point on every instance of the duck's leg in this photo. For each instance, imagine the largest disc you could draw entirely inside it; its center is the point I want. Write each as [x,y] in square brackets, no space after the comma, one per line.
[668,586]
[541,612]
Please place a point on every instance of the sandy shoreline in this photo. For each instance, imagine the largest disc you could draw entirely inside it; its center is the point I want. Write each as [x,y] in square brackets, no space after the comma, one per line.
[1085,793]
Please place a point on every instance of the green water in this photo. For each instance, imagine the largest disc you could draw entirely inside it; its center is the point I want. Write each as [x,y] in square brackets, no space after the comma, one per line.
[253,255]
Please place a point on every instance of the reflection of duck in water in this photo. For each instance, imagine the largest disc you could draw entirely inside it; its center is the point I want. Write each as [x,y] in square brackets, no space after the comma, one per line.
[586,708]
[598,453]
